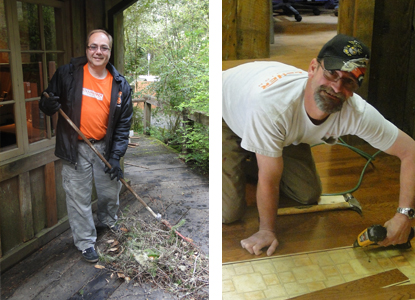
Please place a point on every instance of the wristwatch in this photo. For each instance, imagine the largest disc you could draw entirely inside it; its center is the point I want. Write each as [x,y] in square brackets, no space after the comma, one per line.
[409,212]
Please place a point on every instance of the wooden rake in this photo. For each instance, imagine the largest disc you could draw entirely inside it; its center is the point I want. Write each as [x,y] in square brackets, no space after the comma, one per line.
[157,216]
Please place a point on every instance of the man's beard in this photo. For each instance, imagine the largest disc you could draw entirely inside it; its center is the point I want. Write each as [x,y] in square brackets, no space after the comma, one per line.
[326,103]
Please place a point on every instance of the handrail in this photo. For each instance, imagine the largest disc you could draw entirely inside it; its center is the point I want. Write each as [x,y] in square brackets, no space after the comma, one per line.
[148,100]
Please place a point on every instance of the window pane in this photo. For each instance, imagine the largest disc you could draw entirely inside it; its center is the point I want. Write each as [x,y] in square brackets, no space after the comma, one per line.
[7,128]
[33,87]
[3,28]
[28,17]
[54,60]
[53,64]
[49,27]
[6,91]
[32,75]
[36,122]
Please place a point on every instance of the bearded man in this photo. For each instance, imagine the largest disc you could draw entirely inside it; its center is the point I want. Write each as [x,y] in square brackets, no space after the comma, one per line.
[274,112]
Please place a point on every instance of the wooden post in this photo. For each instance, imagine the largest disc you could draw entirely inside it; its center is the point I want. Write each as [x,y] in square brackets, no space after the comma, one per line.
[50,195]
[245,29]
[409,114]
[25,200]
[147,115]
[356,19]
[229,38]
[188,125]
[253,29]
[345,22]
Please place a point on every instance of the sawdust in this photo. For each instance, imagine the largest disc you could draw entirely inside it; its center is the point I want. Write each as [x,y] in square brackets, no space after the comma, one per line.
[148,252]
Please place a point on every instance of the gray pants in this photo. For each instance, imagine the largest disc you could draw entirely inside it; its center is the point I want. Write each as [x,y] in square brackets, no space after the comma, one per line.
[300,180]
[78,187]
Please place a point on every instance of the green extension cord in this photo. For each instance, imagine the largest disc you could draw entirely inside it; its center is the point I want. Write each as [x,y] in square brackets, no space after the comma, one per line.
[365,155]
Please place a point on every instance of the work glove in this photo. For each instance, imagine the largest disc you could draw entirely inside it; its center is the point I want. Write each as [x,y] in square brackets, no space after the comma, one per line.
[115,170]
[50,105]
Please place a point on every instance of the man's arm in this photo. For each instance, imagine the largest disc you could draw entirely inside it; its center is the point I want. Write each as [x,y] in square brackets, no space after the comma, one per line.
[120,136]
[269,176]
[399,226]
[123,125]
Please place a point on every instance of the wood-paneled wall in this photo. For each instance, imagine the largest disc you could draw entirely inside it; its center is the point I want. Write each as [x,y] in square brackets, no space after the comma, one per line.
[32,203]
[391,60]
[387,28]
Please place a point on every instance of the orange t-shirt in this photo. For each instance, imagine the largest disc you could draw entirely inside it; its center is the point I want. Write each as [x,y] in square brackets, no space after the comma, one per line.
[96,98]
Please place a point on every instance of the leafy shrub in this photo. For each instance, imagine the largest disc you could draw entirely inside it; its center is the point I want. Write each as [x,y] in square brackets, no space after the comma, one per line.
[137,123]
[196,143]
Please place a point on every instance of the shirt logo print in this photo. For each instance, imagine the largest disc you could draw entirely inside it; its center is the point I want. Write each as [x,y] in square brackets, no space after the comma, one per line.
[270,81]
[92,94]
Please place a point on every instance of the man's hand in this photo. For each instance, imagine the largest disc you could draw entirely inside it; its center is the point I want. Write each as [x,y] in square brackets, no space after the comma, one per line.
[51,104]
[115,170]
[398,228]
[261,239]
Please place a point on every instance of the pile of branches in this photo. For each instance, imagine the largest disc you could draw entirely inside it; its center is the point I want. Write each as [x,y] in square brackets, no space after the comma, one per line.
[150,253]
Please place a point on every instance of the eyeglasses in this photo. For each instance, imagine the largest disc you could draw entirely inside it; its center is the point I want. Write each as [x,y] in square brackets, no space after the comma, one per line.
[94,48]
[333,75]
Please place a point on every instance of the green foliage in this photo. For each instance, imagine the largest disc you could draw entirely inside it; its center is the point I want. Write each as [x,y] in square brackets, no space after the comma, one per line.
[166,136]
[197,146]
[176,35]
[137,124]
[173,236]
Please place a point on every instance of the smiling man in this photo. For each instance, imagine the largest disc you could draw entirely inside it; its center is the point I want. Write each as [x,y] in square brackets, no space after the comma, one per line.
[273,112]
[98,100]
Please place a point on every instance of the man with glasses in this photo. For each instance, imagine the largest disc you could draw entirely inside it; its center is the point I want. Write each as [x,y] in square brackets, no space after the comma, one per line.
[98,100]
[274,112]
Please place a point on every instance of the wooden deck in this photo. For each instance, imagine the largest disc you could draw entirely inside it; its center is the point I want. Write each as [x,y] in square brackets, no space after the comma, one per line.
[160,178]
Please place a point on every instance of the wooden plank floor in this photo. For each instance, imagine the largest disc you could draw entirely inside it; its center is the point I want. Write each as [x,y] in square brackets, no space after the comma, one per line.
[357,289]
[57,270]
[339,168]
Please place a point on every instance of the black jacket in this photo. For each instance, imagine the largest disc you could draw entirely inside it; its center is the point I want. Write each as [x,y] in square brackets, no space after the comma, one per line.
[67,83]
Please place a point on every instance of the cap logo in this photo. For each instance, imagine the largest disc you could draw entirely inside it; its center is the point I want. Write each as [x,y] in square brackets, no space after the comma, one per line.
[354,48]
[352,64]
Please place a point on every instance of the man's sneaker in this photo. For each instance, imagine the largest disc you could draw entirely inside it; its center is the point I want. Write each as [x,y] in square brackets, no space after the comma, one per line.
[90,255]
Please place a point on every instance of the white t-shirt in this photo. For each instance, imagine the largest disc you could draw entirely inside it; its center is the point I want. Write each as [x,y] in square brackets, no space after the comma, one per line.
[263,103]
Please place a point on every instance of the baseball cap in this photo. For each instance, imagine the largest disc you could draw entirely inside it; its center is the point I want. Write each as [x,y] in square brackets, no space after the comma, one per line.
[346,53]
